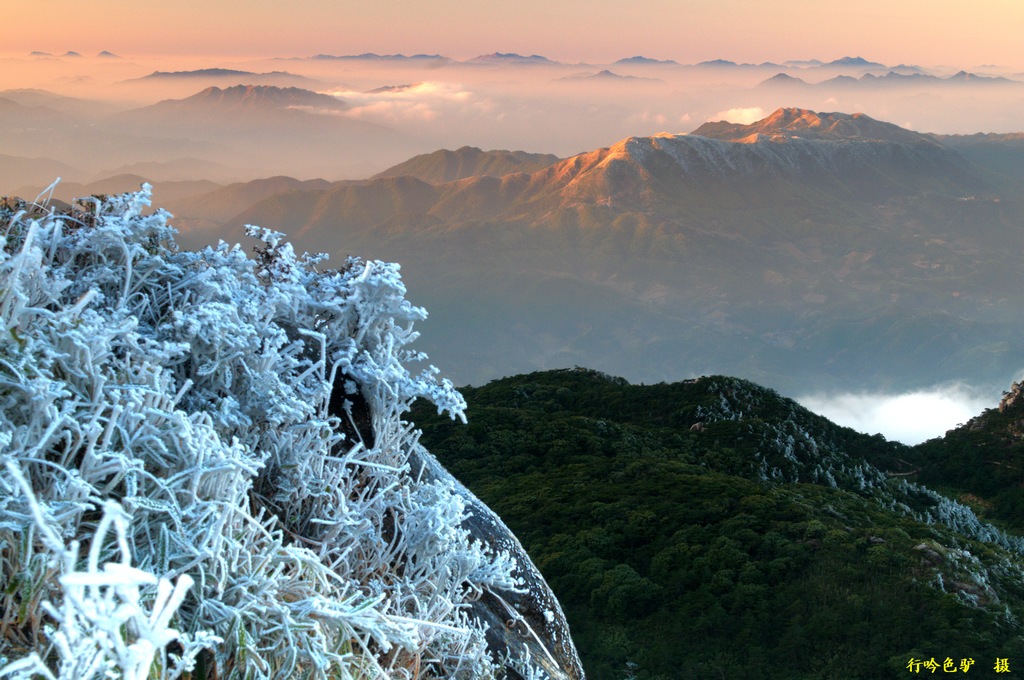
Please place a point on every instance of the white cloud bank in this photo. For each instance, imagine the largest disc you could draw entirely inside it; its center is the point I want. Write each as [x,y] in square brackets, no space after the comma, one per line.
[740,116]
[910,418]
[422,102]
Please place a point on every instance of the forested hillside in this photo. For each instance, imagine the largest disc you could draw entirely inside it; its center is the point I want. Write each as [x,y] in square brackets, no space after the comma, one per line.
[713,529]
[982,461]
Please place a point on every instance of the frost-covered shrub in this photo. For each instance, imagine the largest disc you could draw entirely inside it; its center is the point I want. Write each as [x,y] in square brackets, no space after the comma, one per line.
[203,463]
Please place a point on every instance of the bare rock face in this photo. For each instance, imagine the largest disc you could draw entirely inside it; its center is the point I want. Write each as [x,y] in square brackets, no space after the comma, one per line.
[1012,398]
[525,623]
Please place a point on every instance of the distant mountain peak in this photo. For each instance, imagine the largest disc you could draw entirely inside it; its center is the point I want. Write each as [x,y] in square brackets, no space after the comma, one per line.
[265,96]
[907,68]
[783,79]
[859,62]
[372,56]
[392,88]
[249,99]
[647,60]
[509,58]
[793,118]
[229,76]
[897,75]
[968,77]
[606,75]
[802,63]
[789,123]
[974,78]
[202,72]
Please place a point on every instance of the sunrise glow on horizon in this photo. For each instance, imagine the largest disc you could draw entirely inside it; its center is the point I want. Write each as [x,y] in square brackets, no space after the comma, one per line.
[979,33]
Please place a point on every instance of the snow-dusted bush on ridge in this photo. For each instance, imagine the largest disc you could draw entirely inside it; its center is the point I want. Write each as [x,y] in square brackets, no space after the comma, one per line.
[176,494]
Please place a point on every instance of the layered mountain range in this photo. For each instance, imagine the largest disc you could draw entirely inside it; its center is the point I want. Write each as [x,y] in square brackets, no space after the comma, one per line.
[895,78]
[659,180]
[422,102]
[295,130]
[805,249]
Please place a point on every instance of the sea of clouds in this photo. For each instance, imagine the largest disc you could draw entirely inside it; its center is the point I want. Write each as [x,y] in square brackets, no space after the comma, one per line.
[910,417]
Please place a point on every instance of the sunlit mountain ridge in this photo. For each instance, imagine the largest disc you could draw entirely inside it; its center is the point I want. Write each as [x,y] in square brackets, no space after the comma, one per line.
[825,251]
[832,250]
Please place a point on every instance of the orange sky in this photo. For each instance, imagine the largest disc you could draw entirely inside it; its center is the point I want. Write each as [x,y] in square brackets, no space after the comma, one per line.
[926,32]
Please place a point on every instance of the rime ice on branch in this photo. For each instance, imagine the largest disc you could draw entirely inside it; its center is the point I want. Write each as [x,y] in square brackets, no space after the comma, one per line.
[238,423]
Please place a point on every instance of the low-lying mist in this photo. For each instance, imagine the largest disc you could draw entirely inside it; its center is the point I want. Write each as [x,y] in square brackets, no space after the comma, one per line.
[910,417]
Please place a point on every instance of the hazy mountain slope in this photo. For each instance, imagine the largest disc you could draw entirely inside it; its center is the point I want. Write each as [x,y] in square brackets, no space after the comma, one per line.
[223,203]
[13,113]
[841,260]
[296,131]
[226,77]
[1000,152]
[447,166]
[246,101]
[667,179]
[118,184]
[16,171]
[39,131]
[32,97]
[245,127]
[713,511]
[177,170]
